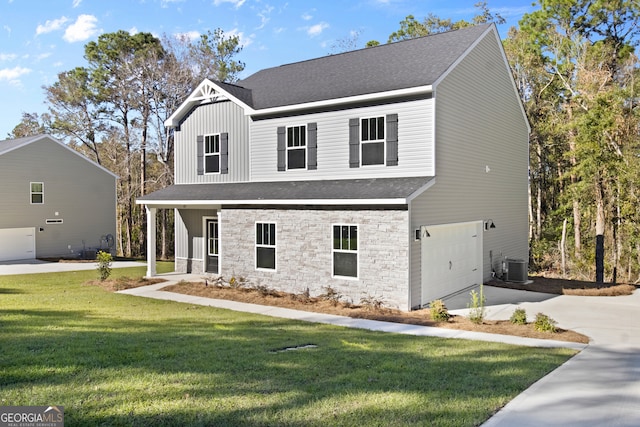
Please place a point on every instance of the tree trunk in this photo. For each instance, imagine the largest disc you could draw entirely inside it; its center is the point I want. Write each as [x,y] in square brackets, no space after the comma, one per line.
[563,248]
[600,225]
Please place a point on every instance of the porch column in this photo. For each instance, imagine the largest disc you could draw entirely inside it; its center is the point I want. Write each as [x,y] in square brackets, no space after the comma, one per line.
[151,241]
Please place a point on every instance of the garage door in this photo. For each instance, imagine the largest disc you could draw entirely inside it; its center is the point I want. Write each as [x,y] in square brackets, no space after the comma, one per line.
[451,259]
[17,243]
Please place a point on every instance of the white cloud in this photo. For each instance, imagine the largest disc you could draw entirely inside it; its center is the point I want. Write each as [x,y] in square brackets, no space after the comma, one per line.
[43,56]
[307,16]
[52,25]
[82,29]
[76,3]
[133,31]
[189,35]
[264,17]
[316,30]
[12,74]
[236,3]
[8,56]
[7,29]
[244,41]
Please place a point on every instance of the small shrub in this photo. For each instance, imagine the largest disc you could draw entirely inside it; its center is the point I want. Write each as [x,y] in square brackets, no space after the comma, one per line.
[331,295]
[544,323]
[372,303]
[476,306]
[304,297]
[104,265]
[439,311]
[237,282]
[519,317]
[265,291]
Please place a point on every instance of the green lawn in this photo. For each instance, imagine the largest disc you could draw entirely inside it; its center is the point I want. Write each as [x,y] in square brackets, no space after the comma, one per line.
[120,360]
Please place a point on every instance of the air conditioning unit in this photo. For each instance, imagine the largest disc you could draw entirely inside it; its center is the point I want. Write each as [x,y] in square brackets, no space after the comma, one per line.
[516,270]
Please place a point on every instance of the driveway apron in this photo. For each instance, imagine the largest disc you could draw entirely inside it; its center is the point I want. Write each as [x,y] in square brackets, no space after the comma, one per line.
[598,387]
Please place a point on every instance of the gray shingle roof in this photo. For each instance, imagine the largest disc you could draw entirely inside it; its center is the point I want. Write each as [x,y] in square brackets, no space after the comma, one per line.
[374,189]
[393,66]
[10,144]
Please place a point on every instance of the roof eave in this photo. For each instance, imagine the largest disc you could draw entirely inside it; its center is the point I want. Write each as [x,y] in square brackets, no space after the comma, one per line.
[411,91]
[260,202]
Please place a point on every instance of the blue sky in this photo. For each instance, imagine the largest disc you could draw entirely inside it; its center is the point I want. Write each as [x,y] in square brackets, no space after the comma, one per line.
[41,38]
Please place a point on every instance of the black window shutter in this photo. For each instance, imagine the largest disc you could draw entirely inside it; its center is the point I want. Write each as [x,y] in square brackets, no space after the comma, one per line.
[282,149]
[224,153]
[354,143]
[312,146]
[200,149]
[392,140]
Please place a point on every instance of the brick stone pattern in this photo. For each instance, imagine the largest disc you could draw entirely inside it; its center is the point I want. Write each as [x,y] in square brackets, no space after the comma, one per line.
[304,241]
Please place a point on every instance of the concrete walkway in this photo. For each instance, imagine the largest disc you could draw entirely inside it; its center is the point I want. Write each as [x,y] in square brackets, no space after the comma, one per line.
[153,291]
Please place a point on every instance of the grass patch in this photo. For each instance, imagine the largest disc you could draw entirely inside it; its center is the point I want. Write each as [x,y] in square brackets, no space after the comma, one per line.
[119,360]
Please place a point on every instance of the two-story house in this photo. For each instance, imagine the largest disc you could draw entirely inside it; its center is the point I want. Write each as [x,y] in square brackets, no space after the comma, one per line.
[398,172]
[54,202]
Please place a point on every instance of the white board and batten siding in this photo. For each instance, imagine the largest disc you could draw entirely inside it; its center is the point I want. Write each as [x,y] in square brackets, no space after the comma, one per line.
[210,119]
[415,144]
[482,160]
[17,243]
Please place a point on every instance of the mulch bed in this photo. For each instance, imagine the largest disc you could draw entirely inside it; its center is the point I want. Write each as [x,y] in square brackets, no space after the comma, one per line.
[558,286]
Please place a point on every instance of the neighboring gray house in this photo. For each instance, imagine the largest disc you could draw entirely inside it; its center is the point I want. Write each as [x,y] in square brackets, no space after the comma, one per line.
[53,201]
[398,171]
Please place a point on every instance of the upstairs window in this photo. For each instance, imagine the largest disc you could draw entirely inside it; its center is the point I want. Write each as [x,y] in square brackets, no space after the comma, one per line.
[345,250]
[37,193]
[266,246]
[212,154]
[372,141]
[297,147]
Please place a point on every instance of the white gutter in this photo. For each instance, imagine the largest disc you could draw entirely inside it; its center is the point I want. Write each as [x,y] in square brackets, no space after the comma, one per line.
[330,202]
[420,90]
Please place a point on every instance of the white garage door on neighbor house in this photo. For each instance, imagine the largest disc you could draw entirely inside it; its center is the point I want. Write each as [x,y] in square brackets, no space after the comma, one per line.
[17,243]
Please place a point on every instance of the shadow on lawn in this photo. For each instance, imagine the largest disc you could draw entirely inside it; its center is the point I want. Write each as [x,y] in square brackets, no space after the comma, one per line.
[214,369]
[11,291]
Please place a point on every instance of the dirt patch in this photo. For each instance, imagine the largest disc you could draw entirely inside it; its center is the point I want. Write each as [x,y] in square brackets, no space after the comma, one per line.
[558,286]
[122,283]
[328,305]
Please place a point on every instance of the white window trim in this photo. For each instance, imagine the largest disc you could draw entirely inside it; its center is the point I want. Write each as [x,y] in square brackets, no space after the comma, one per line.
[31,192]
[357,252]
[205,154]
[305,146]
[275,247]
[374,141]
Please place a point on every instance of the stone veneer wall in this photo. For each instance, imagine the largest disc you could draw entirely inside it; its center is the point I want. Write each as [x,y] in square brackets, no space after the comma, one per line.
[303,251]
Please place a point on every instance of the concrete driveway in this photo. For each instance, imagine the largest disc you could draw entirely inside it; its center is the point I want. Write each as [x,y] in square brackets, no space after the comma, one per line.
[598,387]
[29,266]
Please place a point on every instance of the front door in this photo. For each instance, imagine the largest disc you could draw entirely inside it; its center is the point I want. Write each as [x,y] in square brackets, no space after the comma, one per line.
[212,256]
